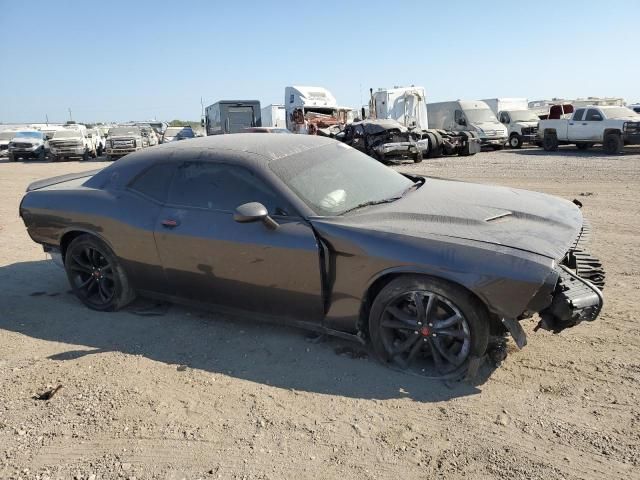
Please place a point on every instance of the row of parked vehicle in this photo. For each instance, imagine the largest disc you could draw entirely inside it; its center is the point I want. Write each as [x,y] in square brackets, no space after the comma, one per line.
[398,124]
[70,141]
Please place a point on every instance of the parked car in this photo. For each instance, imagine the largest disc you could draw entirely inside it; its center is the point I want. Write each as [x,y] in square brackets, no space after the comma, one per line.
[472,116]
[5,138]
[27,144]
[149,136]
[521,123]
[123,140]
[613,127]
[307,230]
[174,134]
[384,140]
[71,143]
[635,107]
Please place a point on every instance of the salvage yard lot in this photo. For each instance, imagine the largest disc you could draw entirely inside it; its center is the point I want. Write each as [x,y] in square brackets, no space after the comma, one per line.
[162,391]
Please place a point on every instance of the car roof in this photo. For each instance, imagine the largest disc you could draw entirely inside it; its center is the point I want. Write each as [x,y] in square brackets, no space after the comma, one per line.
[267,147]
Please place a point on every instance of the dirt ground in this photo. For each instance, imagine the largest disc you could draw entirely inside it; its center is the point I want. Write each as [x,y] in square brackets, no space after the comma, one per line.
[170,392]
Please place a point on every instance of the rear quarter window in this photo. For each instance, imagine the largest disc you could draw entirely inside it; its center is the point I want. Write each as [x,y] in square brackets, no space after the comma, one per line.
[154,182]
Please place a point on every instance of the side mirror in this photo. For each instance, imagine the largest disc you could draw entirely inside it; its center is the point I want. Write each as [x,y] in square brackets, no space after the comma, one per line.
[254,212]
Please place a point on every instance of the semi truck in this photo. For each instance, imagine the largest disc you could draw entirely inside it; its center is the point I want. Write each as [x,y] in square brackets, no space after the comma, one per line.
[231,116]
[314,111]
[407,105]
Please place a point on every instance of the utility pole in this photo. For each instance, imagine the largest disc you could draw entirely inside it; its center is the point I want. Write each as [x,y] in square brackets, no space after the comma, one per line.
[47,117]
[70,117]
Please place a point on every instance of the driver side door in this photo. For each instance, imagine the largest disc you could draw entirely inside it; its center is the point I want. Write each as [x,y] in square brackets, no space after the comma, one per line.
[209,257]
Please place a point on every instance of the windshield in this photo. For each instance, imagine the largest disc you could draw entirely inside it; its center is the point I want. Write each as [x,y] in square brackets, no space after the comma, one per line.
[67,134]
[523,116]
[7,135]
[336,178]
[480,115]
[124,131]
[619,112]
[178,132]
[28,135]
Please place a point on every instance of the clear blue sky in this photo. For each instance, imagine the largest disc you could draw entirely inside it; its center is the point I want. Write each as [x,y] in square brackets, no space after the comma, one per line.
[124,60]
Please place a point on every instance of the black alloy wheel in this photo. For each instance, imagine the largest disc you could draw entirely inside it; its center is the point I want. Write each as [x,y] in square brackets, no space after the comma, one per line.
[432,328]
[96,276]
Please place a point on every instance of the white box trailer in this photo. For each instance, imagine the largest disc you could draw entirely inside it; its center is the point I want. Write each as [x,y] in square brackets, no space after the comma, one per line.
[274,116]
[506,104]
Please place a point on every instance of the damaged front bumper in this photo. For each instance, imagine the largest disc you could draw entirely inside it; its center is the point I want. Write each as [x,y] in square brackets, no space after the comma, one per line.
[577,295]
[574,300]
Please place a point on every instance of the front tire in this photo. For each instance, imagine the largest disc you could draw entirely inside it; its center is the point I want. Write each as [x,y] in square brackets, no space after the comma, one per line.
[85,156]
[428,325]
[96,275]
[613,143]
[515,141]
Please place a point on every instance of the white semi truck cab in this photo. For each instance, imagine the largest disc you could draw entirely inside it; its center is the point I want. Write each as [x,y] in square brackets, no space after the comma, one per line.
[313,110]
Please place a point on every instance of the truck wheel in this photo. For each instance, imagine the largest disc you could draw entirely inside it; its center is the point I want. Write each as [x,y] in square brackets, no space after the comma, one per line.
[41,155]
[583,146]
[613,143]
[85,156]
[99,150]
[515,141]
[417,158]
[11,157]
[550,142]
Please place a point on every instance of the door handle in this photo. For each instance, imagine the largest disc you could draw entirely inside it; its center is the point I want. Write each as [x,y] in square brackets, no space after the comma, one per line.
[584,123]
[170,223]
[571,124]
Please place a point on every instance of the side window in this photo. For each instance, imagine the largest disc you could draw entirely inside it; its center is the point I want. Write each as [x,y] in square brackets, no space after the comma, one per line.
[459,118]
[504,117]
[578,115]
[593,115]
[154,182]
[219,186]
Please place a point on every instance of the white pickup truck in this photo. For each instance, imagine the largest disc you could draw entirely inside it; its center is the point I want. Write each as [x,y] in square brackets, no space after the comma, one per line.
[613,127]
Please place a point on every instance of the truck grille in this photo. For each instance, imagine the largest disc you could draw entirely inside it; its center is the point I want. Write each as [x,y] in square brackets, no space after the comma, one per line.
[22,145]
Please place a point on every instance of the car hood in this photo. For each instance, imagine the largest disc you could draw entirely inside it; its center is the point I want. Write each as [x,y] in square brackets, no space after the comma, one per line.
[520,219]
[124,137]
[526,124]
[32,141]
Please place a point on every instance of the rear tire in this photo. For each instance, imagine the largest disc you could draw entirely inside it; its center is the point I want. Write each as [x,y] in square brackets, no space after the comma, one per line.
[613,143]
[417,158]
[96,275]
[550,142]
[428,325]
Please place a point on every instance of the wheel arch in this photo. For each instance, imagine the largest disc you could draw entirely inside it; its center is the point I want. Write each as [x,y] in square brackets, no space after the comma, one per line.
[550,131]
[383,278]
[608,131]
[72,233]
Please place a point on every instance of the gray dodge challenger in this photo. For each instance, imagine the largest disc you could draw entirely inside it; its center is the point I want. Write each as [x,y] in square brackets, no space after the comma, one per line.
[312,232]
